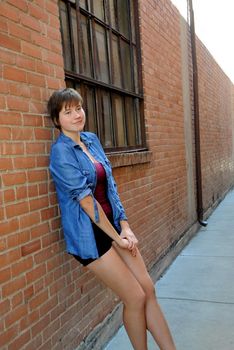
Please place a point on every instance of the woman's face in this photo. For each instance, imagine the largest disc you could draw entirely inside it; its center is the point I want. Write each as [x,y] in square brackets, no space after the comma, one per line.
[72,119]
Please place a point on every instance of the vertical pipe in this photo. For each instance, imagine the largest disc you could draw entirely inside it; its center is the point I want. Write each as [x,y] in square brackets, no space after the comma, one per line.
[196,119]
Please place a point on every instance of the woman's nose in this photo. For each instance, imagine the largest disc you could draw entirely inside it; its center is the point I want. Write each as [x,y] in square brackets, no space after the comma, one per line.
[76,114]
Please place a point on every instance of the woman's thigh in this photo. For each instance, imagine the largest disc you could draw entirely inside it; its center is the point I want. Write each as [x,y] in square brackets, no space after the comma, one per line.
[115,274]
[137,266]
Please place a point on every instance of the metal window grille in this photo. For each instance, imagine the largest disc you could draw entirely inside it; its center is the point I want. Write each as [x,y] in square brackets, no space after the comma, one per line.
[102,61]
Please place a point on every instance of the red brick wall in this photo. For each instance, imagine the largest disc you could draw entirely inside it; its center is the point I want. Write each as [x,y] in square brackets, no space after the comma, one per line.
[216,127]
[47,300]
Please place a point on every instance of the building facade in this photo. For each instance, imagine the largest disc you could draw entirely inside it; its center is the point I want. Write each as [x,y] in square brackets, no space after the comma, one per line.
[131,60]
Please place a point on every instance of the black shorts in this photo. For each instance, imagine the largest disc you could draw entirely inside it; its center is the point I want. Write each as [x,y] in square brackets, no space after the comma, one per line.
[103,243]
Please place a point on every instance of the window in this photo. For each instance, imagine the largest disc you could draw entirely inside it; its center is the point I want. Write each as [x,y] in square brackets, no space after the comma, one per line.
[102,61]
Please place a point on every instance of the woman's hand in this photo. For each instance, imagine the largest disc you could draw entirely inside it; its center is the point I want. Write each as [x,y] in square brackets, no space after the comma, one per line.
[128,235]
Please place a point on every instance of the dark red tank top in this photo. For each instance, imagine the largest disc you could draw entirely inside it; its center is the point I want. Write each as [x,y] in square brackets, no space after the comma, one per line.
[100,190]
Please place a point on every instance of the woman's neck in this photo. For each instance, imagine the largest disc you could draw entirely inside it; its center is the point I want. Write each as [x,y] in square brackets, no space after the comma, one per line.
[74,136]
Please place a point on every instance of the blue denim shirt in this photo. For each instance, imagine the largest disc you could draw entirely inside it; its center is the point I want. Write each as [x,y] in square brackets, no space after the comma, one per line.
[75,177]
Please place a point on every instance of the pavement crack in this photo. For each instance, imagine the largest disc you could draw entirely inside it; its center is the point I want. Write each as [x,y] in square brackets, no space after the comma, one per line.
[197,300]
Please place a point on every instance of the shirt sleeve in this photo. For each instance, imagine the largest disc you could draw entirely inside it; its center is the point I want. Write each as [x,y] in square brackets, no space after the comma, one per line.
[68,176]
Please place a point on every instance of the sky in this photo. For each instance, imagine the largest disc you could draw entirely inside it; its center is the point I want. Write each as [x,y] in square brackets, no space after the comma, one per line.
[214,25]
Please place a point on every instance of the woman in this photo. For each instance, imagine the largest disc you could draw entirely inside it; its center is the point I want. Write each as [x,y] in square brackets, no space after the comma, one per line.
[95,225]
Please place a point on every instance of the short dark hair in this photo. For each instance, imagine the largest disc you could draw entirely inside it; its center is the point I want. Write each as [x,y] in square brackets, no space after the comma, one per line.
[67,96]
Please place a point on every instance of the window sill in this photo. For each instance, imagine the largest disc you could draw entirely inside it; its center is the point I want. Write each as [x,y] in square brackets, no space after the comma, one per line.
[129,158]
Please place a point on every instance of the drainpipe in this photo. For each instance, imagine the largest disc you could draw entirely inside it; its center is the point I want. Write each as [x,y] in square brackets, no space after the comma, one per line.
[196,118]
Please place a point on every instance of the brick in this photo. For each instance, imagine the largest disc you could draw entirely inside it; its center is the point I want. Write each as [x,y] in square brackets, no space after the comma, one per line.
[37,107]
[9,257]
[42,161]
[38,12]
[43,134]
[9,226]
[29,220]
[20,4]
[10,43]
[52,8]
[36,93]
[35,148]
[37,175]
[30,50]
[31,247]
[5,133]
[53,83]
[16,103]
[2,102]
[40,230]
[38,300]
[4,88]
[15,315]
[3,25]
[49,239]
[17,209]
[9,12]
[20,341]
[39,203]
[4,307]
[7,57]
[5,275]
[2,244]
[6,164]
[21,90]
[40,40]
[41,325]
[33,190]
[11,148]
[35,79]
[24,162]
[29,22]
[21,192]
[14,178]
[22,266]
[10,118]
[44,255]
[2,214]
[24,61]
[32,120]
[8,335]
[51,330]
[48,213]
[29,320]
[17,300]
[36,273]
[9,195]
[18,31]
[13,286]
[22,134]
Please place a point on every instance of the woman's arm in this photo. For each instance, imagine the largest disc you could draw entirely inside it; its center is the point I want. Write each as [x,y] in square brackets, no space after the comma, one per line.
[87,205]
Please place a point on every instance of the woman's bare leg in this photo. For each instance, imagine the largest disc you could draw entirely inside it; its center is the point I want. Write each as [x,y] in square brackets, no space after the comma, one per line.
[115,274]
[155,320]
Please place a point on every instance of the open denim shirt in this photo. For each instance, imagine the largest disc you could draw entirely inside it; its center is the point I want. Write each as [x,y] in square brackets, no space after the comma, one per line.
[75,177]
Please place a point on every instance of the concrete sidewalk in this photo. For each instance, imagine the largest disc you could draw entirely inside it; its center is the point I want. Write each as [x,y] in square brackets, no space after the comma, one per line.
[197,291]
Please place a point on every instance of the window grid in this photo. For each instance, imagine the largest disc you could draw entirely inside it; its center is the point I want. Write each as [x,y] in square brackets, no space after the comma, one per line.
[116,134]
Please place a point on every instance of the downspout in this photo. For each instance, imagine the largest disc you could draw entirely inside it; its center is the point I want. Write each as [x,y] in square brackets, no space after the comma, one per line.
[196,118]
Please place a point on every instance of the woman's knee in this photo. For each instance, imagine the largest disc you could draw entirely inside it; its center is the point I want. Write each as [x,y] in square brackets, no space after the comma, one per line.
[149,288]
[136,299]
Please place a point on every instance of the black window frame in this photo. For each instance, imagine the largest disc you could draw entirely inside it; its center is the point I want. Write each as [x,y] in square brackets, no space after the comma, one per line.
[75,77]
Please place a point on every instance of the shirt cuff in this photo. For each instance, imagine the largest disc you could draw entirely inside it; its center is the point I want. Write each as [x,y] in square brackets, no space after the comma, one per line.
[86,193]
